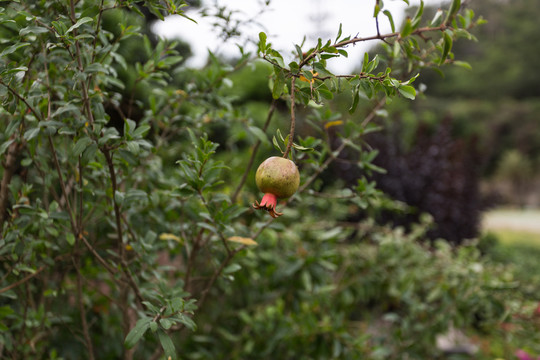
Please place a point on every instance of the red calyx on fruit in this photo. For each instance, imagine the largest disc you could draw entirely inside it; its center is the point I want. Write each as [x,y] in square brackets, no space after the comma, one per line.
[277,178]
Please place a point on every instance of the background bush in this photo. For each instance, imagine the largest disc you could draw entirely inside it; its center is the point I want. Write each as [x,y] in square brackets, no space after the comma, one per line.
[127,184]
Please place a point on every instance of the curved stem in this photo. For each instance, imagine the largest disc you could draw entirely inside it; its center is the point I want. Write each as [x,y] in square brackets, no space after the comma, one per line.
[271,110]
[293,117]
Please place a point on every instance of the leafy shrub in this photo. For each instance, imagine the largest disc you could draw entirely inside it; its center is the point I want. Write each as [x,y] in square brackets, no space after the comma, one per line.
[127,229]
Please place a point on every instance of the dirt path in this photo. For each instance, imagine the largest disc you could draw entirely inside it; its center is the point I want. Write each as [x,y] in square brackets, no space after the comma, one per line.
[521,220]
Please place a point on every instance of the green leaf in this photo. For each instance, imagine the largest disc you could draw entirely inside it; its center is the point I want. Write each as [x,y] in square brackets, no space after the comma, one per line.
[13,48]
[259,134]
[407,28]
[356,99]
[418,16]
[454,8]
[279,83]
[33,30]
[82,21]
[376,10]
[137,332]
[70,238]
[299,52]
[459,63]
[167,345]
[166,323]
[81,145]
[447,46]
[31,133]
[5,145]
[339,33]
[391,19]
[302,148]
[262,42]
[276,144]
[188,322]
[407,91]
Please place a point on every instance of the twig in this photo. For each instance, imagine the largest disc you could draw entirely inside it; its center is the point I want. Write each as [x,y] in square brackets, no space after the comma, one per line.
[216,274]
[9,168]
[383,37]
[293,117]
[23,280]
[117,215]
[63,186]
[271,110]
[82,311]
[84,89]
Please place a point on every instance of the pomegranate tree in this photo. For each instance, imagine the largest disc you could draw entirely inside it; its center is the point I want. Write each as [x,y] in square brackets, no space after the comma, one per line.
[277,178]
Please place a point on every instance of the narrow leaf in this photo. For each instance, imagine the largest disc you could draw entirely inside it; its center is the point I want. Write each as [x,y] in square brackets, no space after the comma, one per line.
[242,240]
[463,64]
[339,33]
[13,48]
[447,46]
[407,91]
[259,134]
[391,19]
[276,144]
[82,21]
[262,41]
[279,83]
[137,332]
[407,28]
[454,8]
[167,236]
[81,145]
[167,345]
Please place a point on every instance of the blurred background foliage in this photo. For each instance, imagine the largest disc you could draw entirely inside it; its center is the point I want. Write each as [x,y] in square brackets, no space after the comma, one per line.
[380,276]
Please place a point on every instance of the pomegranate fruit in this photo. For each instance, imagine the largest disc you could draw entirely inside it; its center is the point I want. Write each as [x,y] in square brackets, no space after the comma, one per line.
[277,178]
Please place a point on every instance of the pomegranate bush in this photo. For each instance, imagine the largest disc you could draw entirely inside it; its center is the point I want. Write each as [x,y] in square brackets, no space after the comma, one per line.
[126,183]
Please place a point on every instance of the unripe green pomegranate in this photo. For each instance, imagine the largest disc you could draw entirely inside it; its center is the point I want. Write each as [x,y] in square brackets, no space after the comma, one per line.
[277,178]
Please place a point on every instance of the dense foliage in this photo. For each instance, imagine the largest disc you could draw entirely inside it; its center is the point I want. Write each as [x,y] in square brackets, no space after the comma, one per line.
[126,223]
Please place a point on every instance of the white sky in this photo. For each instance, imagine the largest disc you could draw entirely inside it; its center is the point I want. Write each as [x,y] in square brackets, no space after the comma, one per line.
[285,22]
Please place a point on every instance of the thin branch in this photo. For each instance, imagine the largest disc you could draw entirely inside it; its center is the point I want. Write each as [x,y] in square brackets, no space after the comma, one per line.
[117,215]
[82,311]
[106,265]
[191,259]
[271,110]
[216,274]
[23,280]
[129,278]
[79,57]
[382,37]
[293,117]
[9,168]
[21,98]
[63,186]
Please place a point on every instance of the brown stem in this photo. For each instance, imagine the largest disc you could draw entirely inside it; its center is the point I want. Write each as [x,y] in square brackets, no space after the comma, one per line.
[63,187]
[23,280]
[191,259]
[271,110]
[293,117]
[84,88]
[382,37]
[9,168]
[216,274]
[82,311]
[117,214]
